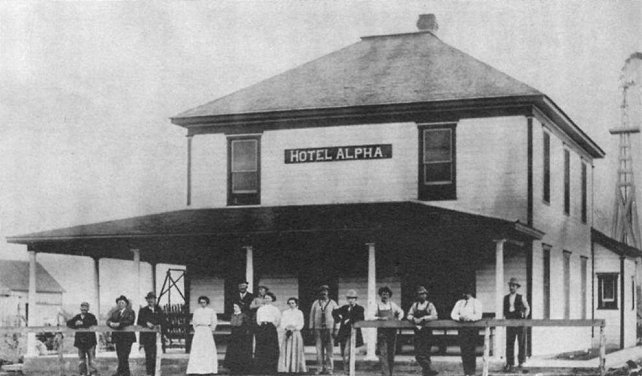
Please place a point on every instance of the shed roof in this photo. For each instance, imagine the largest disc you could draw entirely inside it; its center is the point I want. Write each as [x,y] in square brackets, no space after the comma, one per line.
[14,276]
[615,246]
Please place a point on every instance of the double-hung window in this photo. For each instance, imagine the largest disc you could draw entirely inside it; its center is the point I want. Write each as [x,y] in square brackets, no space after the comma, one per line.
[437,169]
[607,290]
[244,172]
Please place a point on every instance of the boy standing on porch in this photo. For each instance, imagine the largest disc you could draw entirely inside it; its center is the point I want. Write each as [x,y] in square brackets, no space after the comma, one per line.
[515,308]
[322,322]
[420,312]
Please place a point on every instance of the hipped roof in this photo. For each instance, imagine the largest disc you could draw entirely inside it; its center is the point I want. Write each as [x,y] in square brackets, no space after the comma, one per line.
[14,276]
[387,70]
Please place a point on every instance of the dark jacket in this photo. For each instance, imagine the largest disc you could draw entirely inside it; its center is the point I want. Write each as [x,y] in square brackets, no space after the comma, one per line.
[520,309]
[245,302]
[126,319]
[84,340]
[346,317]
[156,318]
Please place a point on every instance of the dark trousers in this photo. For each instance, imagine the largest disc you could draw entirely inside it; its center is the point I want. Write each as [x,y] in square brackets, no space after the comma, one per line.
[87,356]
[325,348]
[122,351]
[423,345]
[511,334]
[386,346]
[150,357]
[467,339]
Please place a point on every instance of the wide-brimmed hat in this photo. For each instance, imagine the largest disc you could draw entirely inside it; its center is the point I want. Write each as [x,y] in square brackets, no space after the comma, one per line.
[514,281]
[122,297]
[421,290]
[150,295]
[323,287]
[351,294]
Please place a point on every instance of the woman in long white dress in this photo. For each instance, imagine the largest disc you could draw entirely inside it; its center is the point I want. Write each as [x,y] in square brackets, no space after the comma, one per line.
[203,359]
[291,358]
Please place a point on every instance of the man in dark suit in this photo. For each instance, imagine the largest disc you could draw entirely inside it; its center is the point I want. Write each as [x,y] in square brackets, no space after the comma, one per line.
[85,341]
[244,298]
[515,308]
[150,317]
[346,316]
[120,319]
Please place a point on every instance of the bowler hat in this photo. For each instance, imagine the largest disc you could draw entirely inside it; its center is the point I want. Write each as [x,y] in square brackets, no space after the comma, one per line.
[421,290]
[323,287]
[122,297]
[150,295]
[351,294]
[514,281]
[84,304]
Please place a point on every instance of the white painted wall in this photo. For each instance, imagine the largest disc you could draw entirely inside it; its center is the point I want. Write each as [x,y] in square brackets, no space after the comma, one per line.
[212,287]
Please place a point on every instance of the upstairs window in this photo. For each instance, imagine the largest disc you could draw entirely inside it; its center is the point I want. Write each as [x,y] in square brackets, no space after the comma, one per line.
[437,175]
[584,192]
[547,167]
[567,182]
[244,175]
[607,290]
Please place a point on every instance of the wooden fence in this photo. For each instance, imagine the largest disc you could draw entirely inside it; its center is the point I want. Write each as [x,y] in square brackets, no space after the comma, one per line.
[100,328]
[487,324]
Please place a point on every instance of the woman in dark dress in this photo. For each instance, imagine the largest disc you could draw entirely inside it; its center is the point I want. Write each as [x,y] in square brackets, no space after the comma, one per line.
[239,350]
[266,355]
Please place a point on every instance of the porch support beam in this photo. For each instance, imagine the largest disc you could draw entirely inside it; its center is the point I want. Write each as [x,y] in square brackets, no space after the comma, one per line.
[31,300]
[371,333]
[97,295]
[498,350]
[249,267]
[135,305]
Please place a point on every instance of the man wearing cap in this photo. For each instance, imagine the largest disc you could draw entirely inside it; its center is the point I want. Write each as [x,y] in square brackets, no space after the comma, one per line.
[85,341]
[322,323]
[515,308]
[244,297]
[423,311]
[121,318]
[467,309]
[346,316]
[150,317]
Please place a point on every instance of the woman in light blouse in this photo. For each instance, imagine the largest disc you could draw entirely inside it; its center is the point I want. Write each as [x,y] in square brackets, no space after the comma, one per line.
[202,356]
[292,358]
[266,353]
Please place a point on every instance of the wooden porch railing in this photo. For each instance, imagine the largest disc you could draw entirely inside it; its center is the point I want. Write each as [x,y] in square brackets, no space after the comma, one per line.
[487,324]
[100,328]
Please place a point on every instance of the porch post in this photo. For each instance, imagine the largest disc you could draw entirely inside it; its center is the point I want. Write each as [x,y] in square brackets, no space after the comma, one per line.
[153,277]
[31,300]
[249,267]
[371,333]
[136,301]
[97,301]
[498,350]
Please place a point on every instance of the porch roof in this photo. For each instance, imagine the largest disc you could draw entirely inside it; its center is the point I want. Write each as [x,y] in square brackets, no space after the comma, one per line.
[239,222]
[618,247]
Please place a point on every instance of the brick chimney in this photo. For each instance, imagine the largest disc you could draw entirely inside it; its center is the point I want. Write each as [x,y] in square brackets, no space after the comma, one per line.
[427,22]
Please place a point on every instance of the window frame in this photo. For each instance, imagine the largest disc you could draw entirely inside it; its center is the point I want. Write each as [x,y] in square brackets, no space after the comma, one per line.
[584,285]
[546,173]
[438,190]
[546,281]
[243,197]
[584,192]
[607,304]
[567,181]
[566,270]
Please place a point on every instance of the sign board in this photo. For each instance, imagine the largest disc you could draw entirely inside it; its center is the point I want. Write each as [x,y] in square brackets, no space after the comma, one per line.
[338,153]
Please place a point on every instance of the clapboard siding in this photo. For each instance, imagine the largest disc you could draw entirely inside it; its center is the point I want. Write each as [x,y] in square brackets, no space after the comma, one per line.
[209,171]
[514,266]
[212,287]
[283,286]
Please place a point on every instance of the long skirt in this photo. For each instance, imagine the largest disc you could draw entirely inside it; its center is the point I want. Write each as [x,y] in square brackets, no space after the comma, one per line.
[239,351]
[292,358]
[202,357]
[266,353]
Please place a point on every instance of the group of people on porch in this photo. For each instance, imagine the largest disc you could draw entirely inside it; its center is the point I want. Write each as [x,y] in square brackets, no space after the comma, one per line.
[255,345]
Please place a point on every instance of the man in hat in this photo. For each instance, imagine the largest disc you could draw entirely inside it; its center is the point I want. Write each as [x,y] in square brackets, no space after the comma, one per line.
[421,312]
[515,308]
[119,319]
[244,297]
[346,316]
[322,323]
[467,309]
[85,341]
[386,309]
[150,317]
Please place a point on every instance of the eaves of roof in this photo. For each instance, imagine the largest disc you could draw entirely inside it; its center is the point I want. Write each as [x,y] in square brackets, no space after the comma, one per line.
[622,249]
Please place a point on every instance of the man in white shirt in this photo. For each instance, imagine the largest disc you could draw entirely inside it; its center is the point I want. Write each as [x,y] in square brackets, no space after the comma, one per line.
[467,309]
[515,308]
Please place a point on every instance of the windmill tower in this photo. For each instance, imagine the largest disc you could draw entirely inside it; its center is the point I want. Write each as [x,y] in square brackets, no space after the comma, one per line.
[626,227]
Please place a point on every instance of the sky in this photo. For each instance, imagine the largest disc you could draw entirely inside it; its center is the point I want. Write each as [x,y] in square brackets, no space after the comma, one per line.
[87,89]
